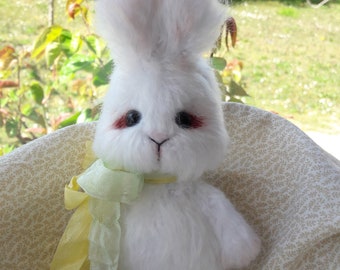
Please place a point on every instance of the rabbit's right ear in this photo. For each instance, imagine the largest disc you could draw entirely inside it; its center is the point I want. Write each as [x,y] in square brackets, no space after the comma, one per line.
[125,25]
[145,29]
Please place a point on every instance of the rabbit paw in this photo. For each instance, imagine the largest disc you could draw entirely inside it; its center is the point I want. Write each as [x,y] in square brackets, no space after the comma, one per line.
[239,247]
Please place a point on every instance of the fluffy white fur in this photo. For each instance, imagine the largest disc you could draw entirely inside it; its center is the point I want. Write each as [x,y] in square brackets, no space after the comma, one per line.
[157,47]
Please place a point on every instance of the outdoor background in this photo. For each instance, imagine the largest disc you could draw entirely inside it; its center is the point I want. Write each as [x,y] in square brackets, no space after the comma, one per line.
[286,60]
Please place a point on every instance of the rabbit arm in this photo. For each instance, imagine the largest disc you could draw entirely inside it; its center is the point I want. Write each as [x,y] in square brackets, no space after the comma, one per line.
[239,243]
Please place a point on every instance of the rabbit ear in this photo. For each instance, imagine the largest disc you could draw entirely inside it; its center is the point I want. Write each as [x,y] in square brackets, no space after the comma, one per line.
[158,28]
[192,25]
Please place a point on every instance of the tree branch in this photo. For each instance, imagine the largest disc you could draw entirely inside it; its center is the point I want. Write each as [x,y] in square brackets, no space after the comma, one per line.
[317,5]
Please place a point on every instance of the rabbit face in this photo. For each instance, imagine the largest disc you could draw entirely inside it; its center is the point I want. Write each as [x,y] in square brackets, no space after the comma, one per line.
[160,117]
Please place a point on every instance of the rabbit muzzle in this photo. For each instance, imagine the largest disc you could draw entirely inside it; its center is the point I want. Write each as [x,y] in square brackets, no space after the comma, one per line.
[159,144]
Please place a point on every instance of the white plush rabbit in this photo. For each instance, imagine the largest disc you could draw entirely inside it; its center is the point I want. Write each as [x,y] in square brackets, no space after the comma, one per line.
[162,114]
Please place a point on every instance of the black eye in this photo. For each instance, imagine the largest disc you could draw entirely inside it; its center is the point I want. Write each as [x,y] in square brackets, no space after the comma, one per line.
[132,118]
[186,120]
[129,119]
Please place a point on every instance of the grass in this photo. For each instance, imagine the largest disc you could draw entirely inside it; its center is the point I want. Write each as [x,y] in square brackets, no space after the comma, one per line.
[291,61]
[290,54]
[23,20]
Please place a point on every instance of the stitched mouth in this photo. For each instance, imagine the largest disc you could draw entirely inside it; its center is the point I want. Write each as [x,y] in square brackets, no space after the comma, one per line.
[159,147]
[158,152]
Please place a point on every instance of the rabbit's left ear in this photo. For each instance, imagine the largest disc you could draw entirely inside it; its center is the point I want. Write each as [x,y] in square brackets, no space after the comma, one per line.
[192,25]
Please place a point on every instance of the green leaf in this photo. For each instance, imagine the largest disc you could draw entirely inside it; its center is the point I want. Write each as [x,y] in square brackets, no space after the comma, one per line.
[76,43]
[49,35]
[218,63]
[221,85]
[1,120]
[102,76]
[220,80]
[85,116]
[65,41]
[7,148]
[12,128]
[237,90]
[234,99]
[52,52]
[69,121]
[36,117]
[218,77]
[78,62]
[26,108]
[37,92]
[4,101]
[93,43]
[13,96]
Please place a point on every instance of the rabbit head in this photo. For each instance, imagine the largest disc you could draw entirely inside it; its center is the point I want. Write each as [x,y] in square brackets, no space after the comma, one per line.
[162,112]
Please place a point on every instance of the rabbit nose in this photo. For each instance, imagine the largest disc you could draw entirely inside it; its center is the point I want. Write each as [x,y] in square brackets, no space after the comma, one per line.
[159,138]
[159,143]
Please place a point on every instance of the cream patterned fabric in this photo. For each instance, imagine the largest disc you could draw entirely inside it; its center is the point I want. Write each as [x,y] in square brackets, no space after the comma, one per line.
[280,180]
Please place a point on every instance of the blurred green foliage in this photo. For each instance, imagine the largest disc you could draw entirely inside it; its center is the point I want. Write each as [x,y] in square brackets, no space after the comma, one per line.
[59,80]
[55,84]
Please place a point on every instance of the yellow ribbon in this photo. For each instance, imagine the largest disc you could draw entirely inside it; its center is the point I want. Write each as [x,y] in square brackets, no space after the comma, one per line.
[72,251]
[93,232]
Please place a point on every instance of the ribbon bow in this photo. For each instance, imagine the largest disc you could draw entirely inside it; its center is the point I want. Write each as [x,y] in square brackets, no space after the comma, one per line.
[93,232]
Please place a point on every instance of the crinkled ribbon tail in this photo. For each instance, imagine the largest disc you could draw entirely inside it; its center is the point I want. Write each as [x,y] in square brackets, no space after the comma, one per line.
[72,251]
[104,247]
[104,235]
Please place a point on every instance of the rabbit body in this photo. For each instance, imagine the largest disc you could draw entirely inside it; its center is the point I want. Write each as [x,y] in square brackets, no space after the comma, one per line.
[188,226]
[162,114]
